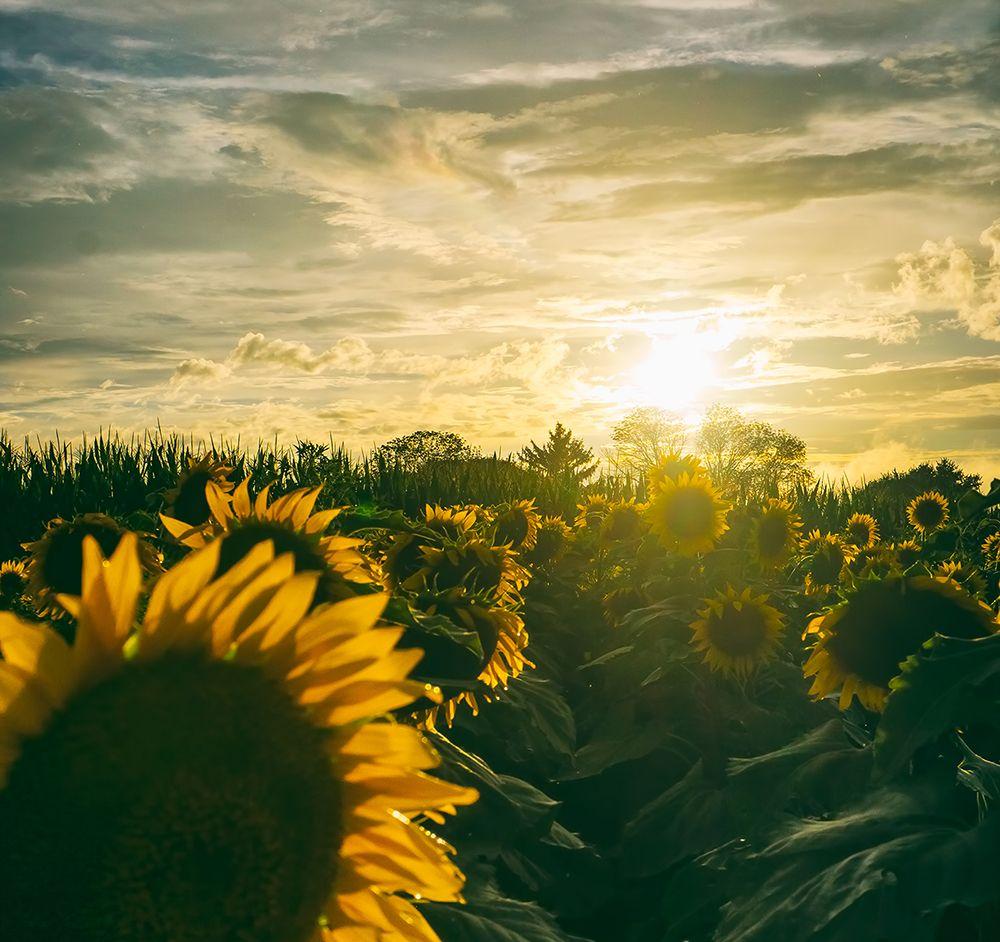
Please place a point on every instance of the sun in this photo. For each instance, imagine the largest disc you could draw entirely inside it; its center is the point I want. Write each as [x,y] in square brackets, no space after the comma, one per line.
[675,374]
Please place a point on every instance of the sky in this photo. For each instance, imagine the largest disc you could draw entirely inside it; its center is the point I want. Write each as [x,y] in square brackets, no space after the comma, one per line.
[352,219]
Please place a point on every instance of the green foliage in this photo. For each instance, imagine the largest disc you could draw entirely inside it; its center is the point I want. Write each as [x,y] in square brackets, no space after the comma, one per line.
[563,457]
[644,435]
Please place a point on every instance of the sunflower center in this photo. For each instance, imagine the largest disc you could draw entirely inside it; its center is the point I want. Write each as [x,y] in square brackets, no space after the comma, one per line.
[62,567]
[512,528]
[885,622]
[826,565]
[928,513]
[11,583]
[191,505]
[183,799]
[691,513]
[738,632]
[772,535]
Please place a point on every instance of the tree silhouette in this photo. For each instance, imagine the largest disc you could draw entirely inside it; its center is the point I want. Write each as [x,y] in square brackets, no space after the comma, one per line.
[563,456]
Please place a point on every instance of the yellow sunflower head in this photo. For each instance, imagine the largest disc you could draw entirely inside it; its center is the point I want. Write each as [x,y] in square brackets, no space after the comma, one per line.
[862,642]
[591,512]
[825,556]
[737,631]
[516,524]
[186,501]
[553,541]
[775,534]
[290,524]
[907,552]
[56,561]
[991,550]
[687,515]
[13,581]
[220,772]
[670,467]
[476,566]
[618,603]
[928,512]
[861,531]
[451,522]
[624,522]
[876,562]
[963,575]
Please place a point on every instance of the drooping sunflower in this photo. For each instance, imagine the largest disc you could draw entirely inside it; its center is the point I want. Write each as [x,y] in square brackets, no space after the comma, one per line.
[624,522]
[618,603]
[591,512]
[289,523]
[737,631]
[687,515]
[186,501]
[928,512]
[861,531]
[670,467]
[991,549]
[13,580]
[451,522]
[878,562]
[220,773]
[56,561]
[516,524]
[553,541]
[862,641]
[825,556]
[403,559]
[775,534]
[475,565]
[962,574]
[908,553]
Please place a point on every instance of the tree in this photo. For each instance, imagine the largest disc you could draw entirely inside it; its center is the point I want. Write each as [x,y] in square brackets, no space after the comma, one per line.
[644,435]
[563,456]
[416,449]
[750,460]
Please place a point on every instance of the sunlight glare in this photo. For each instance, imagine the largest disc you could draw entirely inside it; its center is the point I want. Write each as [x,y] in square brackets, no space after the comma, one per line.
[676,374]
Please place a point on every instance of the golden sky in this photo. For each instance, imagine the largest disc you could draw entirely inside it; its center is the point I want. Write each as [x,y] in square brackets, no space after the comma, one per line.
[353,219]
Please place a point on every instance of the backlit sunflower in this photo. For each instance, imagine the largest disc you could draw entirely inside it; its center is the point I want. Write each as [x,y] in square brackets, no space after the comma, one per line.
[862,641]
[825,556]
[13,580]
[928,512]
[186,501]
[217,775]
[56,561]
[670,467]
[991,549]
[876,562]
[618,603]
[451,522]
[623,522]
[553,541]
[908,552]
[403,560]
[475,565]
[591,512]
[516,524]
[289,523]
[963,575]
[687,515]
[737,631]
[775,534]
[861,531]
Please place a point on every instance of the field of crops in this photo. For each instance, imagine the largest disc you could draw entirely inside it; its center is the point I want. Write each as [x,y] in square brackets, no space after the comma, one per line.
[286,695]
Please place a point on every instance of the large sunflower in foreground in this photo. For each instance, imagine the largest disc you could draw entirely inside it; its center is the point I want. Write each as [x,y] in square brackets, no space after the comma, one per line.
[54,567]
[928,512]
[670,467]
[217,774]
[826,555]
[290,524]
[186,501]
[737,631]
[687,515]
[775,534]
[861,531]
[516,524]
[862,641]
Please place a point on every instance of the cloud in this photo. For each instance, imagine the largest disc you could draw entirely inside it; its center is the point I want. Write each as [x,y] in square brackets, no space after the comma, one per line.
[945,273]
[198,370]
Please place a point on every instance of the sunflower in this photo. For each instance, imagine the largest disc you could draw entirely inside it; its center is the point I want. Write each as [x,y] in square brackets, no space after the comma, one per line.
[218,774]
[737,631]
[290,524]
[907,553]
[688,514]
[403,559]
[877,562]
[826,555]
[451,522]
[504,639]
[618,603]
[553,540]
[592,512]
[475,565]
[861,531]
[963,575]
[991,549]
[516,524]
[56,561]
[186,501]
[624,522]
[928,512]
[775,533]
[862,641]
[13,580]
[670,467]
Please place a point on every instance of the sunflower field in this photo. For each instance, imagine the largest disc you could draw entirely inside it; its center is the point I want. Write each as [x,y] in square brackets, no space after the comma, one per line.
[278,697]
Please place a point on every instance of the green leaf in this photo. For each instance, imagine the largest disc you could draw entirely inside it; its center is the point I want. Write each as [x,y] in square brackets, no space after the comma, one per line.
[931,694]
[979,774]
[494,920]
